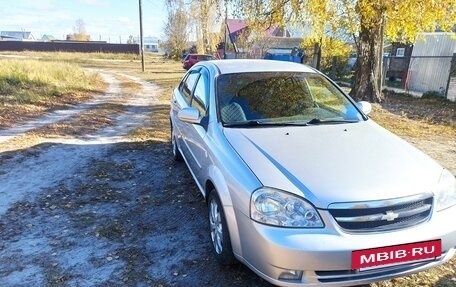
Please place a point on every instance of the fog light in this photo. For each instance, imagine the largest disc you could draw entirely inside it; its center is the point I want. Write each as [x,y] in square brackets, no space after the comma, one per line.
[291,275]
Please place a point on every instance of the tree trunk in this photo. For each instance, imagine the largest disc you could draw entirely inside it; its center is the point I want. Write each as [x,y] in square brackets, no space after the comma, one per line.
[316,58]
[366,86]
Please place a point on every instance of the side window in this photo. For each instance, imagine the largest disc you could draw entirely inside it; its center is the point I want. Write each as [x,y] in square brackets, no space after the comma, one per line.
[201,95]
[187,86]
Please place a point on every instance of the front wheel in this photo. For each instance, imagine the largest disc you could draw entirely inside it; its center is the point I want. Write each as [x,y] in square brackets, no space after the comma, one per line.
[220,237]
[177,156]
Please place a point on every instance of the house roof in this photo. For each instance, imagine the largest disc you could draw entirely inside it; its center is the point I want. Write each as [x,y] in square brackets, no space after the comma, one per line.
[236,25]
[47,37]
[16,34]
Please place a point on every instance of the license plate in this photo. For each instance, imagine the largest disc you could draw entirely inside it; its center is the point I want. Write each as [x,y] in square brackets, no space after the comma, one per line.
[396,255]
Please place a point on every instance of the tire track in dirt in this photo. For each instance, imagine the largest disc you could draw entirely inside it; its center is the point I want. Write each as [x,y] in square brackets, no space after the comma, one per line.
[53,165]
[112,92]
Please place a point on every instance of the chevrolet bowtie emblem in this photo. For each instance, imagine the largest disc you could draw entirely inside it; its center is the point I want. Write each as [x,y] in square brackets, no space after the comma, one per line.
[390,216]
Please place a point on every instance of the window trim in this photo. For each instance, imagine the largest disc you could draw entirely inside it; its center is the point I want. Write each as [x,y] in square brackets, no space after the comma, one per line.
[203,73]
[183,83]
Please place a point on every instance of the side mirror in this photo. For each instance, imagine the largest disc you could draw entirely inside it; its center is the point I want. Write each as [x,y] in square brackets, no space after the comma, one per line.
[189,115]
[365,107]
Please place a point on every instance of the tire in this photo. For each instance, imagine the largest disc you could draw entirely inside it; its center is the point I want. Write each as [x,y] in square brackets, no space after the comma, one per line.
[218,230]
[177,156]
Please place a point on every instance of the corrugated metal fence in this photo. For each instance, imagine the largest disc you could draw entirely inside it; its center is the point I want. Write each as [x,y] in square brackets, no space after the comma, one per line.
[69,47]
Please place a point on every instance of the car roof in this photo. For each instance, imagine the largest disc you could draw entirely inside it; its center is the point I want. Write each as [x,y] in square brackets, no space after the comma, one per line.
[259,65]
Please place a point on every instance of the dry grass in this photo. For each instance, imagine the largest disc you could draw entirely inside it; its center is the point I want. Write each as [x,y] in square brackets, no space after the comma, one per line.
[73,57]
[418,118]
[29,88]
[441,276]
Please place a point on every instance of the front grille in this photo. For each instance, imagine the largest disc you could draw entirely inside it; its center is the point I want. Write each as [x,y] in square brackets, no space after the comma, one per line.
[382,215]
[352,275]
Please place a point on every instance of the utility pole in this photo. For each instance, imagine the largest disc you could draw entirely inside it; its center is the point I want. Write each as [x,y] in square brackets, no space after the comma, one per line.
[141,36]
[226,27]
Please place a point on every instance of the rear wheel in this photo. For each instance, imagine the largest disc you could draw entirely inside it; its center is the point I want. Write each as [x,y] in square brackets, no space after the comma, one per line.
[220,237]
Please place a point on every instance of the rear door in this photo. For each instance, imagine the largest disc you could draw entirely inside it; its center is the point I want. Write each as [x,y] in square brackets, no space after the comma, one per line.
[182,97]
[192,92]
[196,133]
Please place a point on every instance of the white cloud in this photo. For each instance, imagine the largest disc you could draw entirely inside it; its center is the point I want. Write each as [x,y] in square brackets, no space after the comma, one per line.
[93,2]
[124,20]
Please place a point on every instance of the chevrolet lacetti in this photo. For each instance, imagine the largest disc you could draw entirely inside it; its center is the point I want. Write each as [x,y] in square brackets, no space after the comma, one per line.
[301,185]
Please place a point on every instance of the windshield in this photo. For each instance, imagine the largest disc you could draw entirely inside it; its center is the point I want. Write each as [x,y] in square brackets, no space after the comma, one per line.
[281,98]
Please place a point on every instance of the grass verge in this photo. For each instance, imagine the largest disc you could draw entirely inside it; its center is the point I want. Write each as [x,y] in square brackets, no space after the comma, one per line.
[29,88]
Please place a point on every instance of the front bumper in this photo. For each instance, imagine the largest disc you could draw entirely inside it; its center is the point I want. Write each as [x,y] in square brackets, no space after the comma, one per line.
[323,256]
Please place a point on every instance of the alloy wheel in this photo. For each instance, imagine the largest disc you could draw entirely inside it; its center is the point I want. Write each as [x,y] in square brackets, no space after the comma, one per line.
[216,226]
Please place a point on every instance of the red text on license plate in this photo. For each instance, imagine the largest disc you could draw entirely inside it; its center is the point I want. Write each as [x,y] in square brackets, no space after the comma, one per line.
[396,254]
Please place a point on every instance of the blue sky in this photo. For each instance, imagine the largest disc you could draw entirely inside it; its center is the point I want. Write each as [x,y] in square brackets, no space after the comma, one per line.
[108,20]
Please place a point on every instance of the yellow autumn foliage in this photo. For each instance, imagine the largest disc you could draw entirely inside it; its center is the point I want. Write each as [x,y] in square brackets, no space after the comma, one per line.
[404,19]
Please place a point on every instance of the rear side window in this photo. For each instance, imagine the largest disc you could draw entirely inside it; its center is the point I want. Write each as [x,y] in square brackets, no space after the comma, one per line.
[187,86]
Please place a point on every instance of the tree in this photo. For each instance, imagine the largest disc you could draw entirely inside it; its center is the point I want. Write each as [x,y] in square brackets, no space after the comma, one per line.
[131,40]
[206,15]
[176,28]
[79,31]
[368,20]
[334,54]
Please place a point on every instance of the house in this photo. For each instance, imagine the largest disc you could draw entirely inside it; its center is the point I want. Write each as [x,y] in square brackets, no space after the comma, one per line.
[151,44]
[257,44]
[47,38]
[398,61]
[427,66]
[16,36]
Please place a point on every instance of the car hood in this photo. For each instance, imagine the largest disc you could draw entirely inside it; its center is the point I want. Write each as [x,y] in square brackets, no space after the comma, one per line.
[335,163]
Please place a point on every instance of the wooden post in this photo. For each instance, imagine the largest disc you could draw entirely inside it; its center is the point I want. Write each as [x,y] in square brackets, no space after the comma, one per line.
[141,36]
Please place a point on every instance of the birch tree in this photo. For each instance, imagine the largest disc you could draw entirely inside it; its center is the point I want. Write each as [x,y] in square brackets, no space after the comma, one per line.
[176,28]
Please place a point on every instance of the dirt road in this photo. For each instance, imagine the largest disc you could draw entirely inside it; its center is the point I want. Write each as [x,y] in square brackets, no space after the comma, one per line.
[99,209]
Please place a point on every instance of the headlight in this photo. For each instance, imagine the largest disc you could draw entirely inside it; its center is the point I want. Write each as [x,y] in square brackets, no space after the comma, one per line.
[445,193]
[275,207]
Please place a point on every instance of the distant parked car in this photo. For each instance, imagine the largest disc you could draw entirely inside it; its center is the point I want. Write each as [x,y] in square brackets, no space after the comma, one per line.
[192,59]
[301,185]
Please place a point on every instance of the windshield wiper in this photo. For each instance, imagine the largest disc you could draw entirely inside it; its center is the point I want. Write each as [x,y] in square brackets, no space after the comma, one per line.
[317,121]
[255,123]
[243,124]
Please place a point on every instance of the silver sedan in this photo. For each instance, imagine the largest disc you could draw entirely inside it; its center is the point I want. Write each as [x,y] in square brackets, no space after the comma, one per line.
[301,186]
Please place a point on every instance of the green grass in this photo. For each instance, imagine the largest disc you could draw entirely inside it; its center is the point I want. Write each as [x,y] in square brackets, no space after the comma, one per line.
[24,81]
